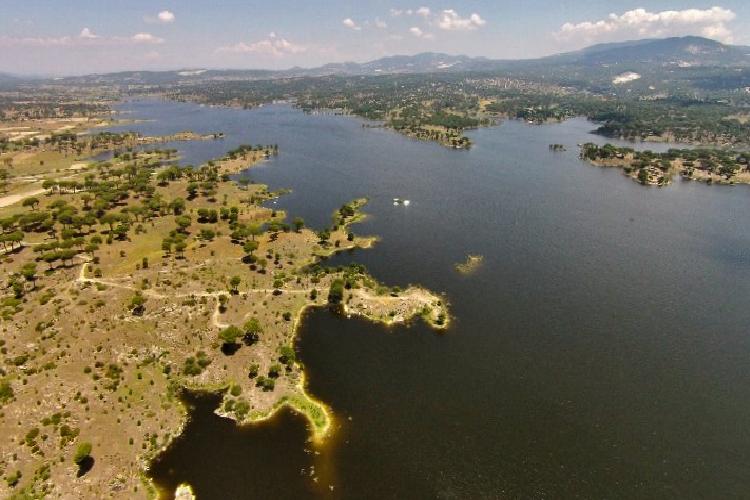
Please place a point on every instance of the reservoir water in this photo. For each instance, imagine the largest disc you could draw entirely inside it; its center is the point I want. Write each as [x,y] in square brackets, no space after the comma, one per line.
[602,350]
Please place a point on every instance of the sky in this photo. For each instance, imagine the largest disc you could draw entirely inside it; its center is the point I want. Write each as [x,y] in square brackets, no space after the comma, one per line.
[73,37]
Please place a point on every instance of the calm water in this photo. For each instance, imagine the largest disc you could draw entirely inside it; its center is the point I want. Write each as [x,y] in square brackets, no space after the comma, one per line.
[602,351]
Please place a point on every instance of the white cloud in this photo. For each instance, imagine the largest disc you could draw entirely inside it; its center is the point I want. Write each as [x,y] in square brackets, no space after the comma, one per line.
[401,12]
[146,38]
[87,34]
[642,23]
[380,24]
[451,21]
[165,16]
[423,11]
[718,32]
[274,46]
[419,33]
[349,23]
[86,38]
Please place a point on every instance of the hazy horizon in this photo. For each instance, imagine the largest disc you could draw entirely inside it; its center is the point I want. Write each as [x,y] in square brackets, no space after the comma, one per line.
[85,38]
[303,67]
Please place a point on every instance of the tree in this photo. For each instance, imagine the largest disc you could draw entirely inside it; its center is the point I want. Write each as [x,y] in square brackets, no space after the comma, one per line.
[255,230]
[324,236]
[50,258]
[267,384]
[180,247]
[643,176]
[67,254]
[192,189]
[249,247]
[299,223]
[206,234]
[336,292]
[6,391]
[28,271]
[166,246]
[234,283]
[287,355]
[110,219]
[83,452]
[31,202]
[17,286]
[229,336]
[86,199]
[252,330]
[12,238]
[177,206]
[183,222]
[137,303]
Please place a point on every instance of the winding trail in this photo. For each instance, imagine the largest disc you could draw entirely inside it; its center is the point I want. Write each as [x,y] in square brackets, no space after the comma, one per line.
[156,295]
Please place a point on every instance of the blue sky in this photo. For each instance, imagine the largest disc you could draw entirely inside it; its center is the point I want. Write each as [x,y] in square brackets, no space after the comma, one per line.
[83,36]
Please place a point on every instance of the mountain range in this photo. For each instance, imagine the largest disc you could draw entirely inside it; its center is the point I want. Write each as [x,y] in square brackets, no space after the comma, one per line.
[682,52]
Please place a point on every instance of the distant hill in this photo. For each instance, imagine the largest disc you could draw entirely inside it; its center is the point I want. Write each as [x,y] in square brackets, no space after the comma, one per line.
[683,52]
[7,78]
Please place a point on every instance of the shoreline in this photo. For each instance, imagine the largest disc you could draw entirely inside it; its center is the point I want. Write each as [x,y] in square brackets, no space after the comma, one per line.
[710,166]
[151,316]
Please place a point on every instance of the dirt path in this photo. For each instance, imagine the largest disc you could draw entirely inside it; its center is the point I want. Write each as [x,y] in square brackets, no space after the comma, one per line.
[9,200]
[153,294]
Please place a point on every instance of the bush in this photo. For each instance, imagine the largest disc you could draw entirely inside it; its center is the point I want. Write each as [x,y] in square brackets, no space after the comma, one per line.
[230,334]
[267,384]
[336,292]
[196,365]
[6,391]
[82,453]
[287,355]
[274,370]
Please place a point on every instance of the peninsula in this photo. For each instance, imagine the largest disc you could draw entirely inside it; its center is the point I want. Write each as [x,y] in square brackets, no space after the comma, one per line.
[133,279]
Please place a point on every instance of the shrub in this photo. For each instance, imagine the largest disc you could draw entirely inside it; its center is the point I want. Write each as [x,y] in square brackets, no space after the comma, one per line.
[82,453]
[336,292]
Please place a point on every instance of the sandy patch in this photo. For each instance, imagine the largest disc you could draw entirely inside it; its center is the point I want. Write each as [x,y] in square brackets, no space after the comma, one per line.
[20,135]
[11,199]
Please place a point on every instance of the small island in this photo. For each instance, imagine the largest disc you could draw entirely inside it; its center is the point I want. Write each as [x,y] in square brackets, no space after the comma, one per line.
[711,166]
[470,265]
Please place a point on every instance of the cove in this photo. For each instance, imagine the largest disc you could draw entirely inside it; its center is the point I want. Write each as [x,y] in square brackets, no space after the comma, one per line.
[601,349]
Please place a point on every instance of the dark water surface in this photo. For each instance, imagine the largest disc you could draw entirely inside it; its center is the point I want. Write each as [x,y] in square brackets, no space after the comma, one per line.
[602,350]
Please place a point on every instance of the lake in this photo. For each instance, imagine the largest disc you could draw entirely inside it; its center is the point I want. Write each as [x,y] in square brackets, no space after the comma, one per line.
[601,350]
